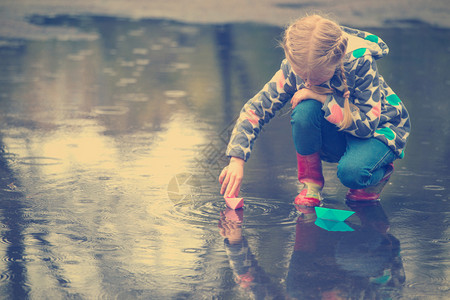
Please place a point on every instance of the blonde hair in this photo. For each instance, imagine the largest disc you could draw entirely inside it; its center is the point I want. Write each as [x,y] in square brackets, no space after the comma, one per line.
[313,44]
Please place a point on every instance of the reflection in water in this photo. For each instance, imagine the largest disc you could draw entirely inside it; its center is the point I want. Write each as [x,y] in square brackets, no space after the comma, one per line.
[13,258]
[99,130]
[364,263]
[93,158]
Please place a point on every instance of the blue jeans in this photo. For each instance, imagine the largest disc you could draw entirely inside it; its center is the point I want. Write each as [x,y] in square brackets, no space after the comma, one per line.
[361,162]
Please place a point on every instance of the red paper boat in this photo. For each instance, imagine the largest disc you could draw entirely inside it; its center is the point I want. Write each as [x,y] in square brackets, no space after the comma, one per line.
[234,203]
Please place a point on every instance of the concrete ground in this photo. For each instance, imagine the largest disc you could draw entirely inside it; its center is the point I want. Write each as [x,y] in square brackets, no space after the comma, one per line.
[359,13]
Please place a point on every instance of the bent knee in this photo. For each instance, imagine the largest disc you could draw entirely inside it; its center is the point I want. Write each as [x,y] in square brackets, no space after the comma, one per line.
[352,175]
[306,112]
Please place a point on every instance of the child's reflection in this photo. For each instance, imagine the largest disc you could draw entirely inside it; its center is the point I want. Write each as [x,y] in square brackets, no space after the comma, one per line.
[324,264]
[248,274]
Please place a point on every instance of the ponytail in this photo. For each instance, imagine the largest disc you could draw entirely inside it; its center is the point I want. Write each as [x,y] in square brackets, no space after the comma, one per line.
[346,113]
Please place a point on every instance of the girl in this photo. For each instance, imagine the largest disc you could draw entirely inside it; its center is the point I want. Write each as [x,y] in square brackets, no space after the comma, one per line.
[343,111]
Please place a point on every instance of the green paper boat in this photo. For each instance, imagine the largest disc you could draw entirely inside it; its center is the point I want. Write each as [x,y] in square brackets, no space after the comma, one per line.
[330,225]
[333,214]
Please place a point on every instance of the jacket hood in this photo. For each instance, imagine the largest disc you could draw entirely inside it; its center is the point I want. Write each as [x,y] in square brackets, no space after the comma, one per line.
[364,43]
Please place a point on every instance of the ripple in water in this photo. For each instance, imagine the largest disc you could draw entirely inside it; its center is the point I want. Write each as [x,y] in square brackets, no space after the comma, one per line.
[428,287]
[5,276]
[111,110]
[15,259]
[135,97]
[39,161]
[269,212]
[5,240]
[175,94]
[50,258]
[434,188]
[192,250]
[256,212]
[141,151]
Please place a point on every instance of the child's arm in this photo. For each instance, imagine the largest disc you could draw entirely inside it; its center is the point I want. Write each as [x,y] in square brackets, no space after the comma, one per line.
[260,110]
[364,94]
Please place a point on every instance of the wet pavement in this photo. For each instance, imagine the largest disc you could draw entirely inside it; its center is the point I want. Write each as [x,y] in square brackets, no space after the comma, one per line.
[113,135]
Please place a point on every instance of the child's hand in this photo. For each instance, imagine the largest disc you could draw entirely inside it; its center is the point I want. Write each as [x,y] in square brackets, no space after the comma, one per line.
[305,94]
[231,177]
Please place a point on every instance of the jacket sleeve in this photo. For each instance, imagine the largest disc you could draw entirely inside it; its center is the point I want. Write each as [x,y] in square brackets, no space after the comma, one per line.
[365,99]
[260,110]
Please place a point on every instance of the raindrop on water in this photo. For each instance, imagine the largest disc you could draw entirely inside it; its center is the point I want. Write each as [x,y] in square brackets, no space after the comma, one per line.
[126,81]
[111,110]
[434,187]
[141,51]
[175,94]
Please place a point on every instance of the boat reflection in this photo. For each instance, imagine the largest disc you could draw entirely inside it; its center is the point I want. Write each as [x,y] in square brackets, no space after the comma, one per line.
[364,263]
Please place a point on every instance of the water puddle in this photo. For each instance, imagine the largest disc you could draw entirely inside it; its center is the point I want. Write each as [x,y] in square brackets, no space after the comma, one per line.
[113,137]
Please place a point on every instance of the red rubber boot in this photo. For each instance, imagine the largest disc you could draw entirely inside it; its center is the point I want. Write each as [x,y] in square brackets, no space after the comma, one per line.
[371,193]
[310,174]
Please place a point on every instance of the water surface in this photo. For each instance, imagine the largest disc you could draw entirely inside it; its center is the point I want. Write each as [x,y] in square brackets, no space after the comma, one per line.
[113,136]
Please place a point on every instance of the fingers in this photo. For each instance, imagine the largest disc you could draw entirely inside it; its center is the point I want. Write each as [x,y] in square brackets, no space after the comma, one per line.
[234,191]
[298,96]
[227,228]
[295,103]
[229,191]
[233,186]
[222,174]
[224,183]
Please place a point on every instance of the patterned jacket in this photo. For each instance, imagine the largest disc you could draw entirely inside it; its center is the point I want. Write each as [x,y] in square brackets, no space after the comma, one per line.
[377,112]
